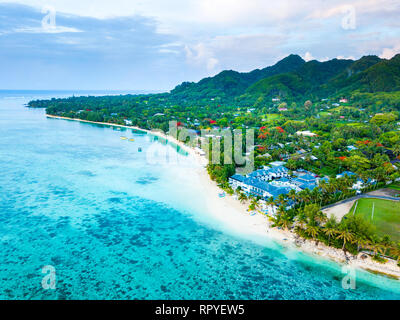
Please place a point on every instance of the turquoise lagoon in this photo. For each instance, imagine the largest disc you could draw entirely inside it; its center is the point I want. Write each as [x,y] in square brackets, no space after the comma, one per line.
[118,224]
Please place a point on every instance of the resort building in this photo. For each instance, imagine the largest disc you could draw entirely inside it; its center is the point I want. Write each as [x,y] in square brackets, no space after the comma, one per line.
[277,163]
[351,148]
[345,173]
[285,183]
[306,181]
[269,173]
[305,133]
[272,181]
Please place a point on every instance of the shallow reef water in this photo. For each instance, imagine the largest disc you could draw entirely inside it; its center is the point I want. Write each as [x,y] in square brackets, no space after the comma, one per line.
[117,226]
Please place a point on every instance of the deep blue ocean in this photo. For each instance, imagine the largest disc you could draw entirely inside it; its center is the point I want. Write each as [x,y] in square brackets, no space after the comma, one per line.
[117,225]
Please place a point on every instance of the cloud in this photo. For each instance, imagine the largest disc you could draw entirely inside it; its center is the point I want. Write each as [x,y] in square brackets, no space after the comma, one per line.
[308,56]
[199,55]
[388,53]
[116,53]
[187,40]
[212,63]
[169,51]
[55,29]
[346,58]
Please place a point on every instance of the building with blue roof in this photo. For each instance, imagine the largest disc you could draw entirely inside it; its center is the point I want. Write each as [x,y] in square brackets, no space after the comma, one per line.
[237,181]
[270,173]
[305,181]
[344,173]
[351,148]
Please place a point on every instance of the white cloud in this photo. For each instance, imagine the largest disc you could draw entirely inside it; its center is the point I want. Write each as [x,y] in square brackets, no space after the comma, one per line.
[326,10]
[55,29]
[308,56]
[201,55]
[242,34]
[185,17]
[212,63]
[346,58]
[168,51]
[388,53]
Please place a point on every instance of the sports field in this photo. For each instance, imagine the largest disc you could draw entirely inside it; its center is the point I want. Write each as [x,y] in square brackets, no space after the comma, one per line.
[386,215]
[273,116]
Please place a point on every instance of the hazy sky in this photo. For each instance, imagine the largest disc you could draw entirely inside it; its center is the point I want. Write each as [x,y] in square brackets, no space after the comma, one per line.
[156,44]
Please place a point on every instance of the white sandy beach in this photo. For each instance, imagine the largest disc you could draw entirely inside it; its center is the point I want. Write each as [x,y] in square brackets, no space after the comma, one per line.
[235,216]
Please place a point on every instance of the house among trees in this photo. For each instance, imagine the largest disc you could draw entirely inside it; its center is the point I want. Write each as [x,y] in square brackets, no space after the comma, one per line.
[306,133]
[345,173]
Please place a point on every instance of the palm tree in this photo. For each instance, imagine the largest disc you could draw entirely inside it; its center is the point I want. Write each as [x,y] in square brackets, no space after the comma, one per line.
[361,242]
[285,221]
[346,236]
[306,195]
[238,191]
[254,204]
[386,243]
[281,211]
[302,219]
[330,228]
[395,250]
[315,195]
[323,185]
[374,245]
[292,195]
[330,232]
[321,217]
[300,196]
[377,248]
[270,201]
[312,230]
[281,199]
[242,197]
[331,186]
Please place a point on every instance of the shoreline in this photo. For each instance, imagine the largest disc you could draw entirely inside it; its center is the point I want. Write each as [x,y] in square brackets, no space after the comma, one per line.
[230,212]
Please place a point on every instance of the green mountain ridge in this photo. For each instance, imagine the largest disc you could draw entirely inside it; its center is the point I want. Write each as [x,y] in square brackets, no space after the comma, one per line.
[229,83]
[293,78]
[369,82]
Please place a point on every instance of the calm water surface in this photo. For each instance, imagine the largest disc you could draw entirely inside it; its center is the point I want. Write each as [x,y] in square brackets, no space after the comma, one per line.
[118,224]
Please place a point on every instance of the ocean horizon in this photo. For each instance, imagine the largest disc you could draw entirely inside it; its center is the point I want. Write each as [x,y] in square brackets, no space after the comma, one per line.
[116,224]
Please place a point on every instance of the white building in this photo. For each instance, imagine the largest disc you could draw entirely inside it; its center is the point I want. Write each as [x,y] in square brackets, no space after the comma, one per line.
[306,133]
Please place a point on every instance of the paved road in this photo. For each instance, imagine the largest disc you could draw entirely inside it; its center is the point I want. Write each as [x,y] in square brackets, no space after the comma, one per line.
[359,197]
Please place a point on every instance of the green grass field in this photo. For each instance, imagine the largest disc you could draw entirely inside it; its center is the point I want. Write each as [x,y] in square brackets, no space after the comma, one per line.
[386,216]
[346,123]
[272,116]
